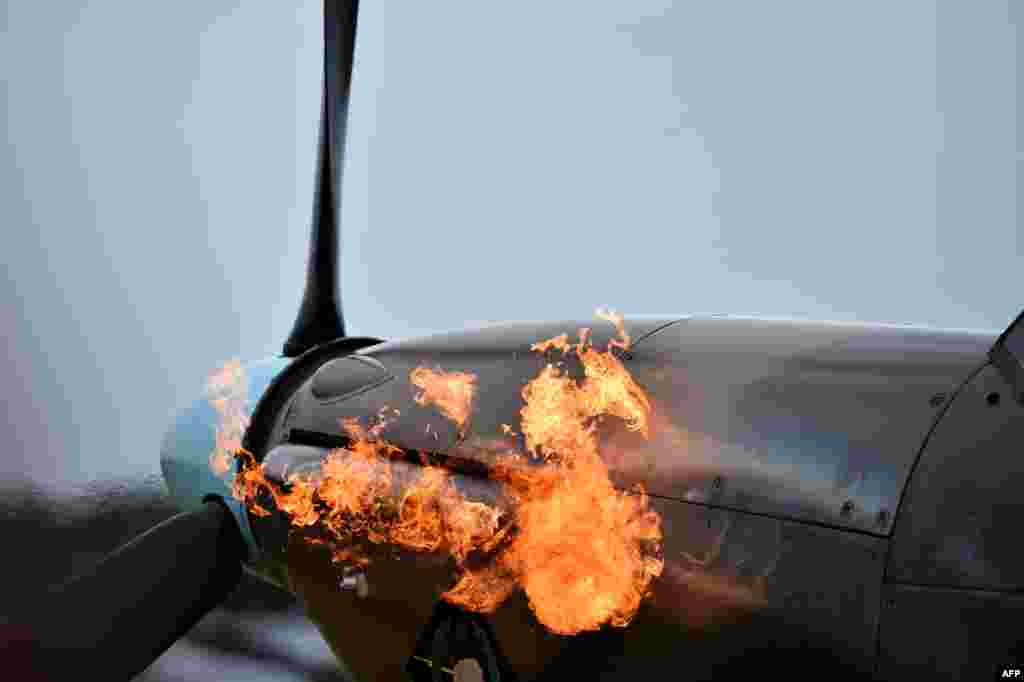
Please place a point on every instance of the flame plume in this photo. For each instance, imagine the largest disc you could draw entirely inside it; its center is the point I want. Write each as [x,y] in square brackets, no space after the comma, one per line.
[584,552]
[452,392]
[227,392]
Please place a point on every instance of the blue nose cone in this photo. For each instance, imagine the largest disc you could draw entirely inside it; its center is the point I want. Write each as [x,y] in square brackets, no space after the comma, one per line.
[192,438]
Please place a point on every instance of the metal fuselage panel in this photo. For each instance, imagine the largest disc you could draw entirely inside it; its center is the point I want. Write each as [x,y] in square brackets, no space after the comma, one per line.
[960,521]
[947,633]
[815,422]
[777,459]
[955,570]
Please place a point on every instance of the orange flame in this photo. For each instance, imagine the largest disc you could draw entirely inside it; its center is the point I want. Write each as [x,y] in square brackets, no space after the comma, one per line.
[226,389]
[624,341]
[248,483]
[583,552]
[452,392]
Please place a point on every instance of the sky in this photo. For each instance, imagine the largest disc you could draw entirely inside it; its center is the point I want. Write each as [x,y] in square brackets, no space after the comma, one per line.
[529,160]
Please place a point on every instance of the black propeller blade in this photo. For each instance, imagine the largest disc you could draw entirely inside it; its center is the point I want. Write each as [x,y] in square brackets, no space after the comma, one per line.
[320,317]
[120,616]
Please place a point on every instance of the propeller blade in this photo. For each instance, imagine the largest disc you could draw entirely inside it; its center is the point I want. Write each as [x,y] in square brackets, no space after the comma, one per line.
[123,614]
[320,317]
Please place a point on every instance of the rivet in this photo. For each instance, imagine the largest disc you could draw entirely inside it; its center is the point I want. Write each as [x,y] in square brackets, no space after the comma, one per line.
[356,582]
[468,670]
[847,509]
[937,399]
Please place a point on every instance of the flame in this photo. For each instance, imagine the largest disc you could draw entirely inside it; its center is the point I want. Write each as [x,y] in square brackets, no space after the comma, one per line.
[483,590]
[624,341]
[249,482]
[452,392]
[583,552]
[227,391]
[558,416]
[298,502]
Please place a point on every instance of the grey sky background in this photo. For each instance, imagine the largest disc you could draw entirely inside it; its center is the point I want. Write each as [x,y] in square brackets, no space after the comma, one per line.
[506,161]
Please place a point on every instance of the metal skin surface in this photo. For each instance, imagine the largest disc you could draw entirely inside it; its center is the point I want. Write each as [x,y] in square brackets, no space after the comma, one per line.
[813,421]
[816,422]
[960,521]
[955,571]
[781,453]
[941,633]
